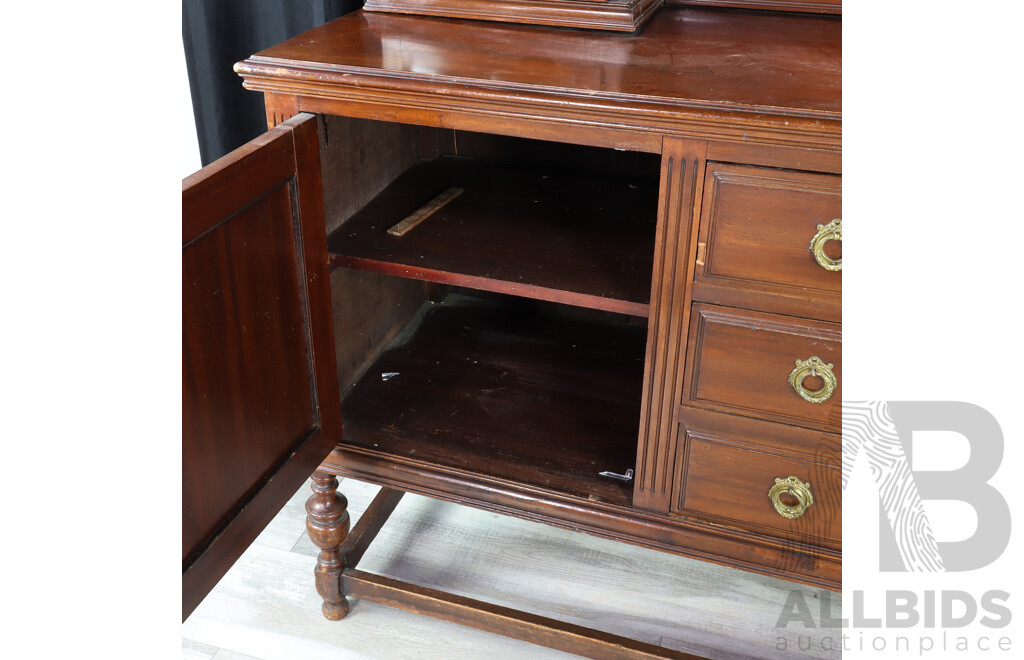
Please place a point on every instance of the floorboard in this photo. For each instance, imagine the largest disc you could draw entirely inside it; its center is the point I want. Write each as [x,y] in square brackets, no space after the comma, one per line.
[266,606]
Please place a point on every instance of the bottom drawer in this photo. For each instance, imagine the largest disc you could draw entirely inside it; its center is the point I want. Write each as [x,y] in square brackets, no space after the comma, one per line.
[727,473]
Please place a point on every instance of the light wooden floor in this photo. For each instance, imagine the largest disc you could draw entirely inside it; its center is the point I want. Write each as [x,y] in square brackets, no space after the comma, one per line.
[266,606]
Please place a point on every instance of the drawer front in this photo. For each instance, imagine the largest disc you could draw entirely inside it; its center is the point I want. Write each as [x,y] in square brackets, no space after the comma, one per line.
[746,363]
[725,481]
[755,241]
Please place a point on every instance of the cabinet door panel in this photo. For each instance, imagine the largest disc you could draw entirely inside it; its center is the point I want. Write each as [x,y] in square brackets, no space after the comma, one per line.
[260,406]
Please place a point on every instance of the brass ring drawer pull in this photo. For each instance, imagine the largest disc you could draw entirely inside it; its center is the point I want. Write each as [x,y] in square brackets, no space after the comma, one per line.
[797,492]
[813,366]
[833,231]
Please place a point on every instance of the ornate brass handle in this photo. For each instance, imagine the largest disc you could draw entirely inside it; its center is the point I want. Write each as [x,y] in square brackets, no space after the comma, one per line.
[797,492]
[833,231]
[813,366]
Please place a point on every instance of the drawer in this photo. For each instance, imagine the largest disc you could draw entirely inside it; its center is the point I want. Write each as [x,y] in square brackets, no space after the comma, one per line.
[755,240]
[726,475]
[743,362]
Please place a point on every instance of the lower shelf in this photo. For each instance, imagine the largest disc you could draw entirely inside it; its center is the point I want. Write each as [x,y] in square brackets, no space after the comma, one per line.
[530,392]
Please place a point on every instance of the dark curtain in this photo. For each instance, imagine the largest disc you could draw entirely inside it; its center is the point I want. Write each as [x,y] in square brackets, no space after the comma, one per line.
[218,33]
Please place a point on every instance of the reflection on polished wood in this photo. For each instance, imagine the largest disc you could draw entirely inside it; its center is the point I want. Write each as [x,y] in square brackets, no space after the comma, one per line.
[757,70]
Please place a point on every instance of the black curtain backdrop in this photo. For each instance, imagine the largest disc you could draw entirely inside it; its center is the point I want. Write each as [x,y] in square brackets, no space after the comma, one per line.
[218,33]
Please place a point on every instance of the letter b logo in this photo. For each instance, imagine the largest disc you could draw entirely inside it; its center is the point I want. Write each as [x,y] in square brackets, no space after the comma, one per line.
[883,430]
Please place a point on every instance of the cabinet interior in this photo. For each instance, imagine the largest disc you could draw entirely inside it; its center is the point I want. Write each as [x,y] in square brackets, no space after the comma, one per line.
[505,335]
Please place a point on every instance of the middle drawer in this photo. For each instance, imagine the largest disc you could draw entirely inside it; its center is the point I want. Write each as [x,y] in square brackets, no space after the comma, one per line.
[767,366]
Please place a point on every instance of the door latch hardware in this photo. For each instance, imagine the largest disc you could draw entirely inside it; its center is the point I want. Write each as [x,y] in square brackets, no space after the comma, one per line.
[614,475]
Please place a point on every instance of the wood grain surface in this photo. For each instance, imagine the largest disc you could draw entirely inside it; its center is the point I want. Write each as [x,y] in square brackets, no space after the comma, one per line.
[531,231]
[259,390]
[755,230]
[508,389]
[747,77]
[704,69]
[725,477]
[739,361]
[619,15]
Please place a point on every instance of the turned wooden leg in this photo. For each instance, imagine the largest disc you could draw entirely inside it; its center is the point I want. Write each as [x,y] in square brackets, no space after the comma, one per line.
[327,524]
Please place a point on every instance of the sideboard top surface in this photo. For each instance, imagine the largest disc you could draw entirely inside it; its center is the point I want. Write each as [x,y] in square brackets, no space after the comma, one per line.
[763,67]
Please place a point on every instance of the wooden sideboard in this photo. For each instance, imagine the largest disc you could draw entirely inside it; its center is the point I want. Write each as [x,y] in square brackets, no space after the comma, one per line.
[635,270]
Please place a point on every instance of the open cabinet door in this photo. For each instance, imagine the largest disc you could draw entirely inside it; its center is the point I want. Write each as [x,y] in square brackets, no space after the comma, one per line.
[260,402]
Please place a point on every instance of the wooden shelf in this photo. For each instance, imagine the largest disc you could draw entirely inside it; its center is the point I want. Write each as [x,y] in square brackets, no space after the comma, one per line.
[579,240]
[530,392]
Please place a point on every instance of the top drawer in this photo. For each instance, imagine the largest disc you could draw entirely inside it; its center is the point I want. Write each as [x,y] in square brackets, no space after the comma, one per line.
[754,244]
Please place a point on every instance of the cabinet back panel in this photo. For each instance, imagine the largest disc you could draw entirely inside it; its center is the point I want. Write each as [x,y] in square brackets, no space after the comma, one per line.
[358,159]
[559,156]
[361,157]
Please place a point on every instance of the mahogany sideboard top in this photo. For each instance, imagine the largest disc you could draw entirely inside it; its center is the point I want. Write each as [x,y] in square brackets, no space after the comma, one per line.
[770,78]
